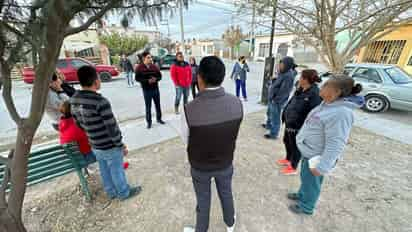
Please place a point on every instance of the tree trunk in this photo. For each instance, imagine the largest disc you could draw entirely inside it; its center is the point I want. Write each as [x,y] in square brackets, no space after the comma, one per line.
[9,224]
[10,216]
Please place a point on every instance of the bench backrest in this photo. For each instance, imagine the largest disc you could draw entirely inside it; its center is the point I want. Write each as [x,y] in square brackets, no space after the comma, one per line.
[51,162]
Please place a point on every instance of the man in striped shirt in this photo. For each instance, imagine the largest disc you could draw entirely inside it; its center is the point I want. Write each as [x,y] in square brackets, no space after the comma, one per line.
[93,113]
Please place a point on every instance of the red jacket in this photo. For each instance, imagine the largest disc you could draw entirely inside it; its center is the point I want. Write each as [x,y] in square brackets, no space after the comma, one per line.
[70,132]
[181,74]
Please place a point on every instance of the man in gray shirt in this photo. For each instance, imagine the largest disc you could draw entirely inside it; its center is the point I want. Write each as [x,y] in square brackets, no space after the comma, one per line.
[210,127]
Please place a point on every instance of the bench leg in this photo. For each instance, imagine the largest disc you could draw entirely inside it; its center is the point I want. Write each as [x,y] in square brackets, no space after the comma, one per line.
[84,185]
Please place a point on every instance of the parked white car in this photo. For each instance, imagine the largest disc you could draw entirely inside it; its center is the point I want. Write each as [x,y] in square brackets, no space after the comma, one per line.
[384,86]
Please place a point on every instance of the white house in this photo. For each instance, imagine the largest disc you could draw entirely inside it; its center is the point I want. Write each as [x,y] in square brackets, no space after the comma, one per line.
[151,35]
[202,48]
[284,44]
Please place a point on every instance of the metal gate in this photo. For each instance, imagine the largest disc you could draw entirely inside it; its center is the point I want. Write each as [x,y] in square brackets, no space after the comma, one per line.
[385,52]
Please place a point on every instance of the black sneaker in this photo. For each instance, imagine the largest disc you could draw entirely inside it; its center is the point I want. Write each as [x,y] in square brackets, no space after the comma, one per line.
[264,126]
[134,191]
[297,210]
[161,122]
[293,196]
[268,136]
[149,125]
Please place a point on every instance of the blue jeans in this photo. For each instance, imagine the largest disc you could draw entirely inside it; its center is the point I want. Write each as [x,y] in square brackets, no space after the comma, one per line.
[202,185]
[273,118]
[241,85]
[129,76]
[112,172]
[309,188]
[179,92]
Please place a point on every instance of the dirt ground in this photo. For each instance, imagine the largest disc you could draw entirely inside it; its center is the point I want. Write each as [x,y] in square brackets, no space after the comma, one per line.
[371,190]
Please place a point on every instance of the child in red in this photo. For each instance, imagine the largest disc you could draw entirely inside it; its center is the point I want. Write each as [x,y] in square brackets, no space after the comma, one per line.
[69,132]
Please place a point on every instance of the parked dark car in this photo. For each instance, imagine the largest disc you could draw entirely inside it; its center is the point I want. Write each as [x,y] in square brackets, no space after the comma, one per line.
[164,61]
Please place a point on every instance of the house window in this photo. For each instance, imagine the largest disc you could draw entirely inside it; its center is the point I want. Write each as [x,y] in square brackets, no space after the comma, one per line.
[385,52]
[264,49]
[88,52]
[209,49]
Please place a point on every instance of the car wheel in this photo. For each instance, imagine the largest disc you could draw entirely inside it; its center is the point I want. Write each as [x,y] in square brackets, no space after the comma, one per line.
[105,76]
[376,103]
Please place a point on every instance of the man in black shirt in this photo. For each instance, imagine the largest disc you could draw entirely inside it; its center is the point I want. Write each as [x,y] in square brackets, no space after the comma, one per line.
[149,76]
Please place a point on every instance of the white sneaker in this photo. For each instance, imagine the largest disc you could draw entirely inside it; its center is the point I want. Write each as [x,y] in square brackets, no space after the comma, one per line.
[232,228]
[189,229]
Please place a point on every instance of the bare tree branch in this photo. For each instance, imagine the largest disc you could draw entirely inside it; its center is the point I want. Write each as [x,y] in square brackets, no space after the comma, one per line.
[101,11]
[321,21]
[91,20]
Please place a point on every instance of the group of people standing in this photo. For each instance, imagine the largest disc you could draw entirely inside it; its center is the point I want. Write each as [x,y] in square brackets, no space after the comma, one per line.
[317,127]
[183,75]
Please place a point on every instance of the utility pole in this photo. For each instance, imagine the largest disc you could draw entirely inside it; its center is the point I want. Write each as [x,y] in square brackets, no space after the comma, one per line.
[252,32]
[182,32]
[270,60]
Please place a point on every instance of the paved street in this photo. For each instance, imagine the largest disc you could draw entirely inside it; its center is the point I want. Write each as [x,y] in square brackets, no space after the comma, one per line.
[128,104]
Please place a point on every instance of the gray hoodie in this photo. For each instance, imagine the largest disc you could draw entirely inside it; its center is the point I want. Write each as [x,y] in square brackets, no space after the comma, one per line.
[326,131]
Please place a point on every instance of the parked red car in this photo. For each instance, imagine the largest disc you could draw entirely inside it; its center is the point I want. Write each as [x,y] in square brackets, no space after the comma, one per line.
[69,67]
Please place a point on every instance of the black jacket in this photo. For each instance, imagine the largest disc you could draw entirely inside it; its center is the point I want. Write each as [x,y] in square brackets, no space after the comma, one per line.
[299,107]
[212,136]
[281,87]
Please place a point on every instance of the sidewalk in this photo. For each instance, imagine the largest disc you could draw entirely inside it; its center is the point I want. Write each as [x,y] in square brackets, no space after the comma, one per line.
[137,136]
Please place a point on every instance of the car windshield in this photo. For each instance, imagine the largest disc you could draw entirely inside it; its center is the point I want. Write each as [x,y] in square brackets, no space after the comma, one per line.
[398,75]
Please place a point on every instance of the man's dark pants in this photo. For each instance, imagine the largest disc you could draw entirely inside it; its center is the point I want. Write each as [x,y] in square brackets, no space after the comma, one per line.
[202,185]
[149,95]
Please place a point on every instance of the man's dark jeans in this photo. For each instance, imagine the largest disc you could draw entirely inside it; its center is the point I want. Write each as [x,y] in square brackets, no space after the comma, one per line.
[202,185]
[149,95]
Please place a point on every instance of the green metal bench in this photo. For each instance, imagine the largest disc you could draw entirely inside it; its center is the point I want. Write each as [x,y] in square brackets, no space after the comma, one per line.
[51,162]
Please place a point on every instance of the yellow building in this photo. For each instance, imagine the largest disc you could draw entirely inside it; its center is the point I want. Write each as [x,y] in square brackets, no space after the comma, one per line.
[393,48]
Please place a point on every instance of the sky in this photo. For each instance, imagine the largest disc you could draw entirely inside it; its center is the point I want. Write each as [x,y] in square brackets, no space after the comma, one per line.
[203,19]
